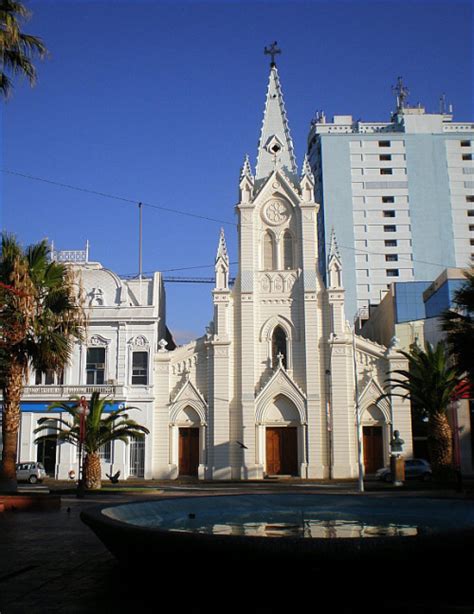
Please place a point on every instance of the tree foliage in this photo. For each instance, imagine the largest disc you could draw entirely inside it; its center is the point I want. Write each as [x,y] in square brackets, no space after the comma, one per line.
[41,315]
[17,49]
[101,428]
[430,383]
[458,323]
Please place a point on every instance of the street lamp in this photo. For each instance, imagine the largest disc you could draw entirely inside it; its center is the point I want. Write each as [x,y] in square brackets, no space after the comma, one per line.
[83,411]
[357,410]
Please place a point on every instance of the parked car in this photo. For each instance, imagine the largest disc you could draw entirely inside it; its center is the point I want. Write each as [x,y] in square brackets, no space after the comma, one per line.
[30,472]
[415,468]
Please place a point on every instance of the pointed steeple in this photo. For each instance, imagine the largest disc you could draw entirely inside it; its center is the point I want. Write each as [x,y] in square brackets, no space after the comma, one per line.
[275,148]
[307,172]
[334,263]
[222,249]
[246,170]
[222,264]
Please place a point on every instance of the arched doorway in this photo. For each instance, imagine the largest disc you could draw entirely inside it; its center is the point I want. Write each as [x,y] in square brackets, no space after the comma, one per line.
[189,446]
[282,435]
[373,439]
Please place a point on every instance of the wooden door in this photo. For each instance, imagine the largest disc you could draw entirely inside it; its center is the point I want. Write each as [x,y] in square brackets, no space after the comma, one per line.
[282,450]
[188,451]
[373,448]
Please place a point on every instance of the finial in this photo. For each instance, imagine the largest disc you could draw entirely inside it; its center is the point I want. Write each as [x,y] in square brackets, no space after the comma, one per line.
[222,248]
[333,246]
[162,343]
[246,170]
[306,170]
[401,92]
[273,51]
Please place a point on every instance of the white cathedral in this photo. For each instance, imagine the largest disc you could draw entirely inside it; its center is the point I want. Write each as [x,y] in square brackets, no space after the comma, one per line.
[276,385]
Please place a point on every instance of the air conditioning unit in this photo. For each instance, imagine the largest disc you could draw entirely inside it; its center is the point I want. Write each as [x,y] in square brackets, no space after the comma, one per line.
[100,365]
[112,382]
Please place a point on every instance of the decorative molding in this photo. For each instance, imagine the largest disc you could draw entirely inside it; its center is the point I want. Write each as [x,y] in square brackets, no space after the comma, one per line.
[221,352]
[275,212]
[277,301]
[280,282]
[139,341]
[99,341]
[309,281]
[246,281]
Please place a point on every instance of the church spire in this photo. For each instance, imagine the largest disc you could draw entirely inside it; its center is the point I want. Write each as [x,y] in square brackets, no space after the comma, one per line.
[246,170]
[334,263]
[222,264]
[275,148]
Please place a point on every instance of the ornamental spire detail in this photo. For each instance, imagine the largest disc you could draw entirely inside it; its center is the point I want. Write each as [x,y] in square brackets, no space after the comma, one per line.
[275,147]
[246,170]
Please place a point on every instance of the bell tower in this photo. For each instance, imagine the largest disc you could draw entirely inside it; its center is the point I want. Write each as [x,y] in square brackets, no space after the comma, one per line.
[277,294]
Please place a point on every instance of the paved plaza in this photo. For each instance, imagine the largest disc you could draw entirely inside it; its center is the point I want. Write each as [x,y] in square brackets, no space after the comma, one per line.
[52,562]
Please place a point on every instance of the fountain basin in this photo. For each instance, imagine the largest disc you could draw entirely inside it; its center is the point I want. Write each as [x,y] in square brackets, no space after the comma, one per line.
[286,528]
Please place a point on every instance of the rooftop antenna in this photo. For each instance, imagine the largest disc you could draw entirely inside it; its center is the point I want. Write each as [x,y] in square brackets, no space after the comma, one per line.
[140,268]
[401,92]
[442,104]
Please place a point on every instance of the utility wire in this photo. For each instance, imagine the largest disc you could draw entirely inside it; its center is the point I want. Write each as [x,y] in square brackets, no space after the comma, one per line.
[195,215]
[115,197]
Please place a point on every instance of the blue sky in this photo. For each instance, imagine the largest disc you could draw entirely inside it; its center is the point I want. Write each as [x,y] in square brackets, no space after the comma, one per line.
[159,102]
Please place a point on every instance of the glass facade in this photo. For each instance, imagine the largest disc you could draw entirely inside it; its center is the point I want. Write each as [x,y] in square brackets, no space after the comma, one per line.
[409,303]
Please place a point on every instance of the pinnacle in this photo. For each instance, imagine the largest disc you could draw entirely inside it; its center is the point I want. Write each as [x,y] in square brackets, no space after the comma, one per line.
[222,248]
[306,171]
[246,170]
[333,246]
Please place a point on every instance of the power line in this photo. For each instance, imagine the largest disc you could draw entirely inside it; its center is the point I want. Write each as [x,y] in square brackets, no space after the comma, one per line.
[195,215]
[116,197]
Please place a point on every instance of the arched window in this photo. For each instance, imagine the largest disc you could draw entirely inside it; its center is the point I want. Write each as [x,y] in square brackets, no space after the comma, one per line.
[288,251]
[279,346]
[268,251]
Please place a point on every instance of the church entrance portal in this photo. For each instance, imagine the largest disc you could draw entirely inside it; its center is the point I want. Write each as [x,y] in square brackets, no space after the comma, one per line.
[188,451]
[282,450]
[373,448]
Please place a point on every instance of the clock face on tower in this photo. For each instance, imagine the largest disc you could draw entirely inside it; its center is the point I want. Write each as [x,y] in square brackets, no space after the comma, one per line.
[275,212]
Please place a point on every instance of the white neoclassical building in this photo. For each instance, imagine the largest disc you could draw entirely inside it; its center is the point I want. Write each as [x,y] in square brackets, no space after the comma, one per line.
[125,323]
[274,386]
[271,388]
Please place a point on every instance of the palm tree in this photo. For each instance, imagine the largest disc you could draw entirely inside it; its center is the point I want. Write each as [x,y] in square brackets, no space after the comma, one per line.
[16,48]
[100,429]
[458,323]
[41,315]
[430,383]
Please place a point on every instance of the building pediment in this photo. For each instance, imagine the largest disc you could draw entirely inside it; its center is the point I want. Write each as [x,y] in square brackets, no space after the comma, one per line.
[280,383]
[188,396]
[277,185]
[371,395]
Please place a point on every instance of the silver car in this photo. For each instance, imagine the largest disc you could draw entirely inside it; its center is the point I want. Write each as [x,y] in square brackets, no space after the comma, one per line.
[31,472]
[416,468]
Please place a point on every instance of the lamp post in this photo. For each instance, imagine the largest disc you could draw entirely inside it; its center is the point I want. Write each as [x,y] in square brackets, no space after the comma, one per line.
[83,411]
[360,461]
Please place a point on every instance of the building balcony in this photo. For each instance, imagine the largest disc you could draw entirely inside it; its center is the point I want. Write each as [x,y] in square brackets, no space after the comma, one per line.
[55,392]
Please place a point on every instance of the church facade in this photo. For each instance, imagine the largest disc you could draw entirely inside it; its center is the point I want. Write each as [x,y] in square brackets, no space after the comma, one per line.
[275,386]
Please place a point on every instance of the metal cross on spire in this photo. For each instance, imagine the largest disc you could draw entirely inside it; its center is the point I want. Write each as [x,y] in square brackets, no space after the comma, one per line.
[273,51]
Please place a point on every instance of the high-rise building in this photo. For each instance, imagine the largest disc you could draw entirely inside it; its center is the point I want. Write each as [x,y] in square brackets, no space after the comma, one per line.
[399,195]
